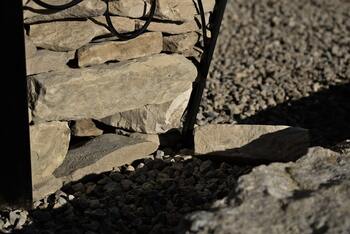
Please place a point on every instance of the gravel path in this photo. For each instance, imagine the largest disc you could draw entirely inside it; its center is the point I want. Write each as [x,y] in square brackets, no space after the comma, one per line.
[277,62]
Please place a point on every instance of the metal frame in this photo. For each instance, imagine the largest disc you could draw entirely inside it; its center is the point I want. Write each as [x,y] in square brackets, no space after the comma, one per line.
[16,179]
[203,69]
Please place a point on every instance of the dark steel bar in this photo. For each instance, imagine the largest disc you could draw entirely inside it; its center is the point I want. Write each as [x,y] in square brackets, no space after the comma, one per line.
[15,171]
[203,69]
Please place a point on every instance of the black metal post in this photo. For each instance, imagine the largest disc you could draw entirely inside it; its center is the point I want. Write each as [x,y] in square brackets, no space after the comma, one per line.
[203,69]
[15,171]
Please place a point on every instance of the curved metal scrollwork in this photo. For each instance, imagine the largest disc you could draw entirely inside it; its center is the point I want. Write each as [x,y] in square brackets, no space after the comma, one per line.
[128,35]
[57,7]
[136,33]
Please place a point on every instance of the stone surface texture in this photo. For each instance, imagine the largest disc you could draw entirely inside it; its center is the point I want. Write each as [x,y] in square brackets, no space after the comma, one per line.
[251,142]
[180,43]
[103,154]
[49,145]
[88,8]
[85,128]
[308,196]
[76,94]
[152,119]
[98,53]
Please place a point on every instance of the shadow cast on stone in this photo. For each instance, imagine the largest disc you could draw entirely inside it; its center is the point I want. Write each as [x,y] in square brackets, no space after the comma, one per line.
[326,114]
[286,145]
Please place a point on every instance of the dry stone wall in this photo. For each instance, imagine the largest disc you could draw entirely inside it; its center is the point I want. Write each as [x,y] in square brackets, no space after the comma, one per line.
[82,79]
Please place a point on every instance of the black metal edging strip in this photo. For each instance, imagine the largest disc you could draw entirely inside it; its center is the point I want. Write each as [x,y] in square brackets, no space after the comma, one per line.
[203,69]
[15,164]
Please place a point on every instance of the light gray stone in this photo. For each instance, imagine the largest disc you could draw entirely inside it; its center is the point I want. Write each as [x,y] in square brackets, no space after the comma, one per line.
[104,90]
[64,35]
[34,13]
[49,184]
[30,48]
[170,28]
[180,10]
[98,53]
[180,43]
[308,196]
[102,154]
[46,60]
[85,128]
[122,24]
[132,9]
[49,145]
[251,142]
[152,119]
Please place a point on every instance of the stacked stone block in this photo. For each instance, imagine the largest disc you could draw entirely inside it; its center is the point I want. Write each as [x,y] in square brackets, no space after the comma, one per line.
[81,77]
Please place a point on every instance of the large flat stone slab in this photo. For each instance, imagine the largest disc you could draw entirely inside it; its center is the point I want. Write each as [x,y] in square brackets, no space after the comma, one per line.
[49,145]
[152,119]
[64,35]
[102,154]
[104,90]
[251,143]
[34,13]
[98,53]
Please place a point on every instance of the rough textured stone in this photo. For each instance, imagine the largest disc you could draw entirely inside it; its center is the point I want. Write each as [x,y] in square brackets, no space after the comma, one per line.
[180,43]
[147,137]
[98,53]
[88,8]
[76,93]
[45,60]
[48,185]
[170,28]
[251,142]
[29,115]
[152,119]
[180,10]
[309,196]
[103,154]
[64,35]
[49,145]
[122,24]
[133,9]
[30,48]
[85,127]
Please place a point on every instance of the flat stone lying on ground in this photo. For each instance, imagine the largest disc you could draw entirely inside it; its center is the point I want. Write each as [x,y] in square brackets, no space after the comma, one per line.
[98,53]
[251,142]
[34,13]
[308,196]
[152,119]
[76,93]
[102,154]
[49,145]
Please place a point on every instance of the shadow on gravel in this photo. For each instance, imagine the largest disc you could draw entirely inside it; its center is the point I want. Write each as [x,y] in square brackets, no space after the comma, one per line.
[151,199]
[326,114]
